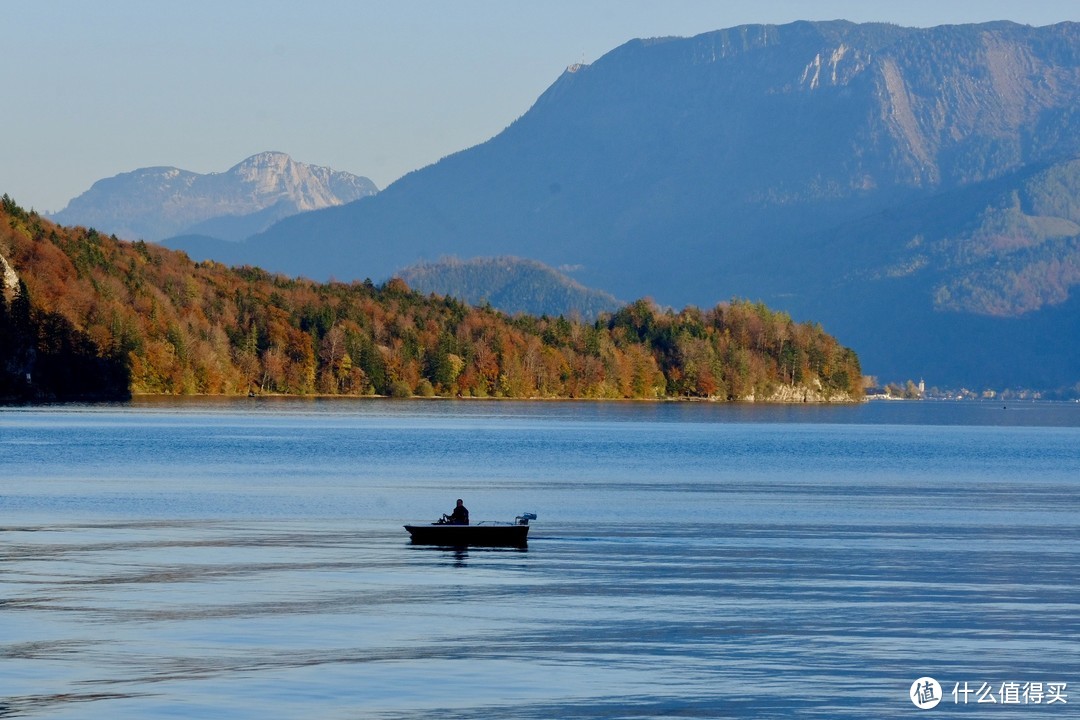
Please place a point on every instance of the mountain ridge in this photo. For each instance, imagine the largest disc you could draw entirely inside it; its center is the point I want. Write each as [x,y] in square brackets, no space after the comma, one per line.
[761,162]
[158,202]
[513,285]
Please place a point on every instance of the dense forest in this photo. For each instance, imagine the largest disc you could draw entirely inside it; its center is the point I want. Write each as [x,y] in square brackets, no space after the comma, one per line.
[1021,253]
[97,317]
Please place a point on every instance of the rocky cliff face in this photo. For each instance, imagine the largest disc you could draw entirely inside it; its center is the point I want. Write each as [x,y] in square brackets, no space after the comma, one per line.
[11,280]
[159,202]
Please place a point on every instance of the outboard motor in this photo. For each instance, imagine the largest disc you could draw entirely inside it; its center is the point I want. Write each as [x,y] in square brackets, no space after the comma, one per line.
[524,518]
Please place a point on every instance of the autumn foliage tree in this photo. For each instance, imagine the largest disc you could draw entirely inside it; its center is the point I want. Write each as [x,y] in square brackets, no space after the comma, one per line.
[179,327]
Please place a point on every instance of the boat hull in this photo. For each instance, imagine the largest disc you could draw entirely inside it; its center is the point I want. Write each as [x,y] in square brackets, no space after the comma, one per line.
[465,535]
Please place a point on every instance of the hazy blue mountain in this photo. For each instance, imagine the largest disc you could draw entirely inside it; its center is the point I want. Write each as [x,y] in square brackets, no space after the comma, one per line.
[159,202]
[908,188]
[510,284]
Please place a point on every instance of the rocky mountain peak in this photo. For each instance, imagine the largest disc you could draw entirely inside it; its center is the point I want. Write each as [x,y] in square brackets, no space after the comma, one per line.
[159,202]
[270,174]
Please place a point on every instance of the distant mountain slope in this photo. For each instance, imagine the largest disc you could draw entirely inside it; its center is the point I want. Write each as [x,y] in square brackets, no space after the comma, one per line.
[510,284]
[159,202]
[817,166]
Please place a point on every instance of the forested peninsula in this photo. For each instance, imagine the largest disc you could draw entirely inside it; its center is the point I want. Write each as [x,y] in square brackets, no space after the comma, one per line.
[91,317]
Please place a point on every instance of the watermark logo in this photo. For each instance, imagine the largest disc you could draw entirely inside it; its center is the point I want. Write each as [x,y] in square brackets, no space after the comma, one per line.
[925,693]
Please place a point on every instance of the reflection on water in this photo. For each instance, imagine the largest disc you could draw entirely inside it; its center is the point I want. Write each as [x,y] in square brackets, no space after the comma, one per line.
[682,567]
[459,556]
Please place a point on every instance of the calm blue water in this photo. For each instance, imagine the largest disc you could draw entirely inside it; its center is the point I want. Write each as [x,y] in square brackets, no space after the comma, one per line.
[245,559]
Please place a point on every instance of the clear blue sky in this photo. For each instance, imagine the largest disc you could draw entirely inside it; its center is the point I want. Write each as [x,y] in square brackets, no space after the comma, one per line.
[377,88]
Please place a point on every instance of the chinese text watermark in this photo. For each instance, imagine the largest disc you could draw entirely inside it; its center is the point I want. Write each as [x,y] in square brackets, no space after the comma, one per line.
[926,693]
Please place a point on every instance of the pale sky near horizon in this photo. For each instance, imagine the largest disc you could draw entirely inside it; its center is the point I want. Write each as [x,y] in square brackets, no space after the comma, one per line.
[376,88]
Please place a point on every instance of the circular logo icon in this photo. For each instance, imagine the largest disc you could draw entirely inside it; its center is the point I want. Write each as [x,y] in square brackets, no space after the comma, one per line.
[925,693]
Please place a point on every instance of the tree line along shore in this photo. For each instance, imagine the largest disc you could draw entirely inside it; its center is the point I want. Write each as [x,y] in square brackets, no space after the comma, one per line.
[94,317]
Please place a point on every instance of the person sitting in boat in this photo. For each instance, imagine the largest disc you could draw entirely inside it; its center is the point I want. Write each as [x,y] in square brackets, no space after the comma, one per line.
[460,516]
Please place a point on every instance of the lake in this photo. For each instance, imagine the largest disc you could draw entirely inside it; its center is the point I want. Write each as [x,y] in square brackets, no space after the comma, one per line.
[246,559]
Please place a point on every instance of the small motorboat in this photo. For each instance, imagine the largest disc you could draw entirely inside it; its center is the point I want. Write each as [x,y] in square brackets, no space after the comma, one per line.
[486,532]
